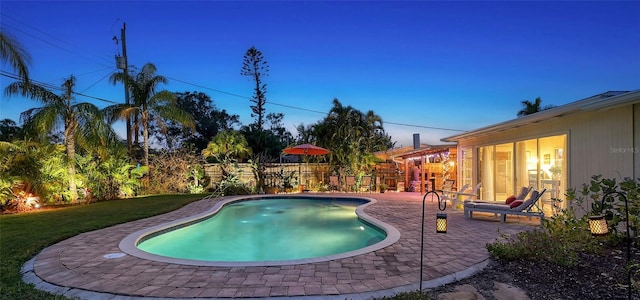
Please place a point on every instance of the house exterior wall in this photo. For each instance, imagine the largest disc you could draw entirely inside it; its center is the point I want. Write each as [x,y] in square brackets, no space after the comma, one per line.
[600,145]
[599,142]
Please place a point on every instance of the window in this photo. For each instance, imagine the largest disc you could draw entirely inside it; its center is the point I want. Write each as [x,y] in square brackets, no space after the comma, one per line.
[505,168]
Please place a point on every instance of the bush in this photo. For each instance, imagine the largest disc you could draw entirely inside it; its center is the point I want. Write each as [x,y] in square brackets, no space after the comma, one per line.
[235,189]
[559,241]
[613,207]
[172,172]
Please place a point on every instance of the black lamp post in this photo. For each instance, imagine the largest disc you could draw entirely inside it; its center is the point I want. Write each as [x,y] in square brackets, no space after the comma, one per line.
[441,226]
[598,226]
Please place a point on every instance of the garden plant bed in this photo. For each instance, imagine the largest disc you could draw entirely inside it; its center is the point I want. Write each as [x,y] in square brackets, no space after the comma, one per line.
[602,276]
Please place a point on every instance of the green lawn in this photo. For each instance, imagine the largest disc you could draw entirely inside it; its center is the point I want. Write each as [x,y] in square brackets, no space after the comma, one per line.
[22,236]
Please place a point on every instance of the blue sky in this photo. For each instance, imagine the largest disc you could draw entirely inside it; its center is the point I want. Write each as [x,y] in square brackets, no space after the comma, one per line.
[454,65]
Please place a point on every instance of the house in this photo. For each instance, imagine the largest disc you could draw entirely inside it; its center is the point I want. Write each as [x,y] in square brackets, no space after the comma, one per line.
[556,149]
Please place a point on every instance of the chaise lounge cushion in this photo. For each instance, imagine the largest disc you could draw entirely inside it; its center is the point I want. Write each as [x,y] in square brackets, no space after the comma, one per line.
[528,202]
[523,193]
[510,199]
[515,203]
[492,206]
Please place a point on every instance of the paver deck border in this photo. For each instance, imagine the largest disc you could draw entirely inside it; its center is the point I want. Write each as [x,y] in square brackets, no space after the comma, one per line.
[77,267]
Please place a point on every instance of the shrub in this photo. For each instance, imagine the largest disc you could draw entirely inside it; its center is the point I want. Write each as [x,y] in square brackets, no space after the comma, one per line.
[171,171]
[236,189]
[558,242]
[614,207]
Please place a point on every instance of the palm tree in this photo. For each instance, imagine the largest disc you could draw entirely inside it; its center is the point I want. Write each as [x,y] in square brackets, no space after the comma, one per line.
[17,57]
[148,107]
[229,144]
[532,107]
[226,148]
[82,123]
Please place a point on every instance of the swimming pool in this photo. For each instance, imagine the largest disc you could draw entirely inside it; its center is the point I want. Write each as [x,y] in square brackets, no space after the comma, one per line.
[266,230]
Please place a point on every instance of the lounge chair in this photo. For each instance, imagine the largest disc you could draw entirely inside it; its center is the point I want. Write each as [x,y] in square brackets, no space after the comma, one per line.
[334,184]
[366,184]
[464,196]
[528,208]
[524,191]
[453,196]
[446,190]
[351,183]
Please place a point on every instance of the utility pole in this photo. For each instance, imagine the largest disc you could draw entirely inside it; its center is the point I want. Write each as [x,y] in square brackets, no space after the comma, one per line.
[123,64]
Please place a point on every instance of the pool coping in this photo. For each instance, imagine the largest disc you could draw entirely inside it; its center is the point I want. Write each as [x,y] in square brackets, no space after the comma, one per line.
[29,276]
[129,244]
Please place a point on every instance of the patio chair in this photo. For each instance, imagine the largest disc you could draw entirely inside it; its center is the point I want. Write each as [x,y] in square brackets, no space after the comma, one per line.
[473,194]
[447,189]
[334,184]
[351,182]
[453,197]
[366,184]
[528,208]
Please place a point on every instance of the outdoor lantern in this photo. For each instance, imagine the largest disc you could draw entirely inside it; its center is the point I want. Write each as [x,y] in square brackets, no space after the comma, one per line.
[441,223]
[598,225]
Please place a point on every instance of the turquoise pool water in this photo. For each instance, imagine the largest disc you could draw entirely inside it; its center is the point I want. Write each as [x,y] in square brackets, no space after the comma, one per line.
[270,229]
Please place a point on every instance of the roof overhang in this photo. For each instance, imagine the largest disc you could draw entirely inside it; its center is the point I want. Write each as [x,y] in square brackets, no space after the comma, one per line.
[603,101]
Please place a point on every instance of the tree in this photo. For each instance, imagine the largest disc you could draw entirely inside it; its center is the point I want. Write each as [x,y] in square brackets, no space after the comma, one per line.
[9,130]
[256,67]
[276,127]
[532,107]
[150,107]
[271,141]
[13,53]
[209,121]
[82,123]
[227,145]
[352,137]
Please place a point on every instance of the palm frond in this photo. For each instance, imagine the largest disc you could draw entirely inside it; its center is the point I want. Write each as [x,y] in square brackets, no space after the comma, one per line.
[12,52]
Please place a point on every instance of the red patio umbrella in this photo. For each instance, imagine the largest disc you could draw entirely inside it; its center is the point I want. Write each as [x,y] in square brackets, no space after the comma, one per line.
[306,149]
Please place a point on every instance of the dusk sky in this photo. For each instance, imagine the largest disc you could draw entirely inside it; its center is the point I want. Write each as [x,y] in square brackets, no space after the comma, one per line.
[430,64]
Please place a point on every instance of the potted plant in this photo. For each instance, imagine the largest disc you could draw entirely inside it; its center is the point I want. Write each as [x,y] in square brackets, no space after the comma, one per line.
[382,187]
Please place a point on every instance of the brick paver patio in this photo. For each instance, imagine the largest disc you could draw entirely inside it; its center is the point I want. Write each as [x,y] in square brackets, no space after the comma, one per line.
[77,267]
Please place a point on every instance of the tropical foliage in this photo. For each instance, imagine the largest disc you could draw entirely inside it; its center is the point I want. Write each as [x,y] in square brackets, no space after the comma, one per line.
[82,123]
[111,177]
[12,52]
[589,198]
[148,108]
[67,152]
[532,107]
[227,148]
[351,135]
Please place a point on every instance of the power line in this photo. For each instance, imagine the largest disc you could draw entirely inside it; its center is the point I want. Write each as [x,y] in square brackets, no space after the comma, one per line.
[103,77]
[196,85]
[53,87]
[306,109]
[51,37]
